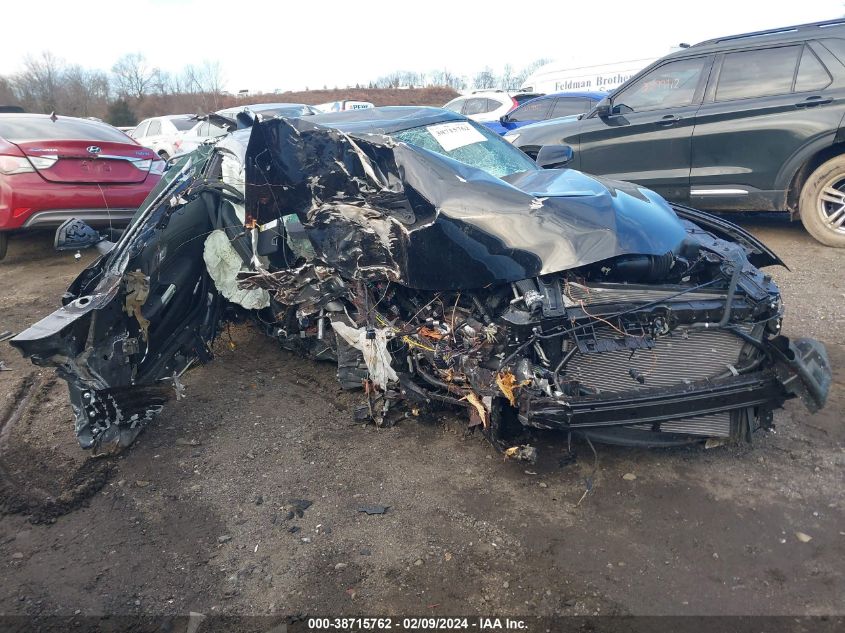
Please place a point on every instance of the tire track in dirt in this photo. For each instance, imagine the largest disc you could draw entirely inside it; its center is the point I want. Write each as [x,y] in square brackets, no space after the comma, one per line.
[19,493]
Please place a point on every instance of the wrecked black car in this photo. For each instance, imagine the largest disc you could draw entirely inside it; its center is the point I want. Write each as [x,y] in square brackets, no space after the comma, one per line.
[437,266]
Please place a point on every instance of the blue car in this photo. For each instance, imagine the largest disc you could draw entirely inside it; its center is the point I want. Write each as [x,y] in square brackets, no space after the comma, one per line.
[551,106]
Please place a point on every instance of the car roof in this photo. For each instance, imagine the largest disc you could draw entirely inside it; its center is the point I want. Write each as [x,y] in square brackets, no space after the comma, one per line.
[18,118]
[29,115]
[797,32]
[590,94]
[384,119]
[262,106]
[168,116]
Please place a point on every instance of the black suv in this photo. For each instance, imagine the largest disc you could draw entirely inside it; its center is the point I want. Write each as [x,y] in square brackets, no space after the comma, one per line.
[750,122]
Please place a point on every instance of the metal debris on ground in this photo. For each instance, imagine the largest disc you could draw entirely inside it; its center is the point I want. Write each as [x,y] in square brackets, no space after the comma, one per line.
[296,507]
[525,453]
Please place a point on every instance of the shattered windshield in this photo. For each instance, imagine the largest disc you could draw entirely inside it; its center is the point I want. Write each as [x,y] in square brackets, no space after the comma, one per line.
[468,143]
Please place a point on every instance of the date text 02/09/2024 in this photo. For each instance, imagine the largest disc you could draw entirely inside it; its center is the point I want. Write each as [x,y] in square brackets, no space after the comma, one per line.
[417,624]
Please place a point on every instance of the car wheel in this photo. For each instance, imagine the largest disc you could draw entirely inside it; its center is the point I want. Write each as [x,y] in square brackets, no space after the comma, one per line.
[822,203]
[4,244]
[164,156]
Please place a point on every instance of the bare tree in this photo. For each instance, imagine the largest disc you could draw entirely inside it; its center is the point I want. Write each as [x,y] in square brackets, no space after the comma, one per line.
[7,92]
[84,92]
[485,79]
[133,76]
[38,84]
[447,79]
[190,80]
[212,79]
[523,74]
[165,83]
[507,80]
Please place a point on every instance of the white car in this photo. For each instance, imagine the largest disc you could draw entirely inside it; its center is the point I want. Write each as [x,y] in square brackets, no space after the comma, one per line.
[199,134]
[213,126]
[488,105]
[163,134]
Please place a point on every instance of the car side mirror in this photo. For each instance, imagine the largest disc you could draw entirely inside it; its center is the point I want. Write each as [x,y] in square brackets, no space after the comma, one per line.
[604,108]
[552,156]
[76,235]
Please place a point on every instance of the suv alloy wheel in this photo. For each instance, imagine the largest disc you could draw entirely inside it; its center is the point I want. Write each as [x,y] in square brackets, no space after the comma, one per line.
[822,203]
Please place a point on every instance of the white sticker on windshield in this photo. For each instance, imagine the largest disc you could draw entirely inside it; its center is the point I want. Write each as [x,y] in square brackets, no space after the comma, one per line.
[454,135]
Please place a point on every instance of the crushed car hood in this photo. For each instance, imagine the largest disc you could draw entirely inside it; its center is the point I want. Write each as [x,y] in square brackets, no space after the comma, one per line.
[430,222]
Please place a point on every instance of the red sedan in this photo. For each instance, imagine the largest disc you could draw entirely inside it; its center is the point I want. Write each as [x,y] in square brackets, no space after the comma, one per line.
[54,168]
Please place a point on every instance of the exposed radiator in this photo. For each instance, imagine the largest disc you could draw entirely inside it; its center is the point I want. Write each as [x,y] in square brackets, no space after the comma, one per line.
[629,293]
[712,425]
[676,358]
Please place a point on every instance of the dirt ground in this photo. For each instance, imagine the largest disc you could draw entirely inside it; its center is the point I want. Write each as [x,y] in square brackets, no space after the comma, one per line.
[195,516]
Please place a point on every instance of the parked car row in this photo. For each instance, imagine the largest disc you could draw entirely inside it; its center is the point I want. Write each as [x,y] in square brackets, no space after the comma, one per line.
[551,106]
[745,122]
[488,105]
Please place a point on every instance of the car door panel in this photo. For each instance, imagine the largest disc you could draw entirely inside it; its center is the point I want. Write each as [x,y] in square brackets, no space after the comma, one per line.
[742,148]
[651,147]
[146,312]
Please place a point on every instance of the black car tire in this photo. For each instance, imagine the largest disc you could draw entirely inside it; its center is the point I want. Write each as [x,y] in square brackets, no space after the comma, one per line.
[4,244]
[814,205]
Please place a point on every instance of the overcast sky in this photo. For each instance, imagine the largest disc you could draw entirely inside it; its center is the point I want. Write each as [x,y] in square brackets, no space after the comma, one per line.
[289,45]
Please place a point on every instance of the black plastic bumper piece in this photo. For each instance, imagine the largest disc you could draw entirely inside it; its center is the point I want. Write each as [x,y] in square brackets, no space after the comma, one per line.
[803,369]
[654,405]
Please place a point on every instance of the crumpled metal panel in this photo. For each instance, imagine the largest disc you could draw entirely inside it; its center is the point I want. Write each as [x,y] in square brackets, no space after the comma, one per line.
[376,208]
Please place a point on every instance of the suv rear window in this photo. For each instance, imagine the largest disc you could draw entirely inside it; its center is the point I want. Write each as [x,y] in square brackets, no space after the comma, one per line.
[476,106]
[757,73]
[812,75]
[25,129]
[456,105]
[523,97]
[835,45]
